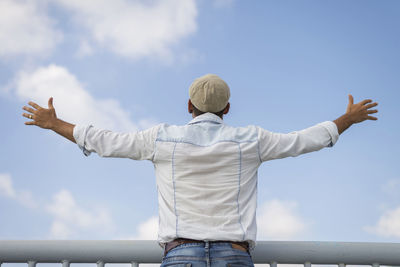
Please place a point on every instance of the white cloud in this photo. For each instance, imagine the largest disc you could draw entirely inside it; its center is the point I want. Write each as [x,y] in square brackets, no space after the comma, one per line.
[148,230]
[277,220]
[71,101]
[25,29]
[134,28]
[388,224]
[7,189]
[72,220]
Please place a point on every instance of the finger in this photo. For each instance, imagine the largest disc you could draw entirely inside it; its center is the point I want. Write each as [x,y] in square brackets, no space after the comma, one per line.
[350,104]
[50,102]
[366,101]
[372,111]
[351,100]
[29,116]
[33,104]
[30,123]
[372,118]
[371,105]
[31,110]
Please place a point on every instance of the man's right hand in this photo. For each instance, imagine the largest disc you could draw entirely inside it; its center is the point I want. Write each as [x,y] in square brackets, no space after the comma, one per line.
[361,111]
[356,113]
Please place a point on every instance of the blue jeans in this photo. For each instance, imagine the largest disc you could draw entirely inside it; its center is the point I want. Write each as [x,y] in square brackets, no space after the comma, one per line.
[207,254]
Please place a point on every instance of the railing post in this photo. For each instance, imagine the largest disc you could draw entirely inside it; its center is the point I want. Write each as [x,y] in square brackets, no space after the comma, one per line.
[65,263]
[307,264]
[375,265]
[100,263]
[342,265]
[273,264]
[134,264]
[31,263]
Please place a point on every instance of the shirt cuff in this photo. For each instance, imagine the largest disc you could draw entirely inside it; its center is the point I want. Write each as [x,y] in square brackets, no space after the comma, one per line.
[80,133]
[332,129]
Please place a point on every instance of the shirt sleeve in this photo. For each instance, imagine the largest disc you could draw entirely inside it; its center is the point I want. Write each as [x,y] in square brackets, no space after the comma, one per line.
[134,145]
[278,145]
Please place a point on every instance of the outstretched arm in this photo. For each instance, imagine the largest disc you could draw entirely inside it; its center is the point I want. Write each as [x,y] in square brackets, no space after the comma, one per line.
[277,145]
[46,118]
[356,113]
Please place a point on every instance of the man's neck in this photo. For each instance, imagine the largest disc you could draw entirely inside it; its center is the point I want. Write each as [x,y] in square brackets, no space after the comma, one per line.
[194,115]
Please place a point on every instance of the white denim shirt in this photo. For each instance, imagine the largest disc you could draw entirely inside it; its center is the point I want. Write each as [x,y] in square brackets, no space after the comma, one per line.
[206,171]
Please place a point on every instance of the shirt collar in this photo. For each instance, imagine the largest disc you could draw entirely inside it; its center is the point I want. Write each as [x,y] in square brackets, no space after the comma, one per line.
[207,117]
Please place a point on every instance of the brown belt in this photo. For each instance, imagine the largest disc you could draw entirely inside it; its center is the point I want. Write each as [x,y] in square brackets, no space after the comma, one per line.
[243,246]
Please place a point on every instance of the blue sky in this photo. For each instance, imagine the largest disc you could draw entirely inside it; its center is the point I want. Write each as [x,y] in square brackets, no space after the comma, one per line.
[127,65]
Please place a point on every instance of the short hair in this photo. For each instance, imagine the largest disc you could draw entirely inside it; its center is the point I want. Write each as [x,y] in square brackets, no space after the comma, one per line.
[198,112]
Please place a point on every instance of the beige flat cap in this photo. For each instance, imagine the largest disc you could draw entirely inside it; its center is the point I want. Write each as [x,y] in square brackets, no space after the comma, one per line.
[209,93]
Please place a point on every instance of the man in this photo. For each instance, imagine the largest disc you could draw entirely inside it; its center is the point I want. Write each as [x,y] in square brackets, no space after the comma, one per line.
[206,171]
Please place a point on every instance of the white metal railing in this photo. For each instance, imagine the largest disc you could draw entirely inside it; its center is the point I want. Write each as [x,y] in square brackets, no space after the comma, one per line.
[146,251]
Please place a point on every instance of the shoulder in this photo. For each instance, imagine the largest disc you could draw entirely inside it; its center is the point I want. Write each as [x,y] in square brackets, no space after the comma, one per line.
[244,133]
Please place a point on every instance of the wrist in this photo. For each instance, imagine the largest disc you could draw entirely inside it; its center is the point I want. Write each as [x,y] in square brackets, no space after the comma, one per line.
[55,124]
[343,122]
[348,118]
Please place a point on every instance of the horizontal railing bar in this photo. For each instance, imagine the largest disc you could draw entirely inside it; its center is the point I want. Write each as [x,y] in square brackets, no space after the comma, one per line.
[80,251]
[148,251]
[351,253]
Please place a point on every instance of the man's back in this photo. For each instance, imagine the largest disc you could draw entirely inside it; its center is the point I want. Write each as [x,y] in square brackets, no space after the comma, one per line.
[206,177]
